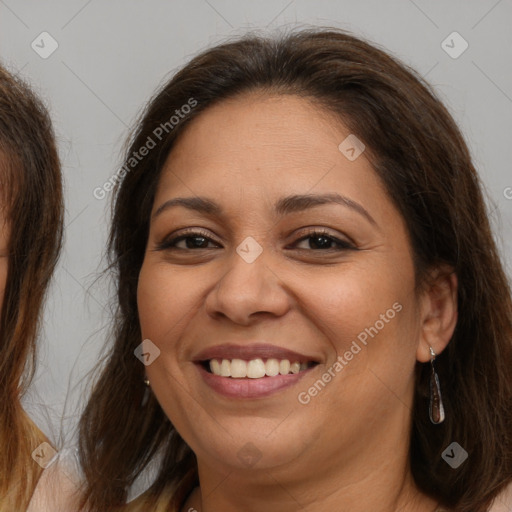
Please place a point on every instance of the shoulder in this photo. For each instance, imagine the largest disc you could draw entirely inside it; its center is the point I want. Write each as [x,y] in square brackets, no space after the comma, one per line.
[57,489]
[503,502]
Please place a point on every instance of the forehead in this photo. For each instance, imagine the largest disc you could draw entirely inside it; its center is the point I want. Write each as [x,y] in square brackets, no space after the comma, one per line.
[270,127]
[258,140]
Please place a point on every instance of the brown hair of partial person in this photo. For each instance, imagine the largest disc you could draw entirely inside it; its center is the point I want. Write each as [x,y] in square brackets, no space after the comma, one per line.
[32,206]
[423,161]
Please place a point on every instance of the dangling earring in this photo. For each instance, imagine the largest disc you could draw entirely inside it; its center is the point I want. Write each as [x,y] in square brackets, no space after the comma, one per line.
[436,409]
[145,397]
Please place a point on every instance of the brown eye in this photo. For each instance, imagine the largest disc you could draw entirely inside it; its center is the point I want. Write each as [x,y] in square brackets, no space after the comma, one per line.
[192,239]
[322,240]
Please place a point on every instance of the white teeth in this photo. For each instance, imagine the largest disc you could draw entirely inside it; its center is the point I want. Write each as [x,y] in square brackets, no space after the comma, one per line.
[238,368]
[255,368]
[225,368]
[295,368]
[215,367]
[284,367]
[272,367]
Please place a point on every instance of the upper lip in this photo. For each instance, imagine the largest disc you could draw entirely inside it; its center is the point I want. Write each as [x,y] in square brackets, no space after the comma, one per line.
[254,351]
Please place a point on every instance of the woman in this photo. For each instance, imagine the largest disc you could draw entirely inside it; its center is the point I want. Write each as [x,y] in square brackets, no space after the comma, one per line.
[309,283]
[31,212]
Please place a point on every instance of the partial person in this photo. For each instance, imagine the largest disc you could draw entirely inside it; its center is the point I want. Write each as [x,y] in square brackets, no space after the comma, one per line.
[31,217]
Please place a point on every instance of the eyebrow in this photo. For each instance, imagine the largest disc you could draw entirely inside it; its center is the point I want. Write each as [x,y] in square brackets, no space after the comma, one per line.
[285,205]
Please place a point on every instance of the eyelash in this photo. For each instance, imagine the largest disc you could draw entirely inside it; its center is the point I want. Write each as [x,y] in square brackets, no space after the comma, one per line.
[170,244]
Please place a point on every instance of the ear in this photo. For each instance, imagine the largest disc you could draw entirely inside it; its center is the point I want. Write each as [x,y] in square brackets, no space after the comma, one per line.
[438,312]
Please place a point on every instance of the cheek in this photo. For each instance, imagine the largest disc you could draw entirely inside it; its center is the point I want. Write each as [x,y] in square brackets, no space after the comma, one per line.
[368,317]
[159,300]
[167,300]
[348,302]
[367,314]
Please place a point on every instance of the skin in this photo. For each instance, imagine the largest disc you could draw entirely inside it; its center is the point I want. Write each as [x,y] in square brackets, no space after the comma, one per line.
[347,449]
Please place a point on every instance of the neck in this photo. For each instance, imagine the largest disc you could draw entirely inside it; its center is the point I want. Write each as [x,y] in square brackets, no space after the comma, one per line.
[383,483]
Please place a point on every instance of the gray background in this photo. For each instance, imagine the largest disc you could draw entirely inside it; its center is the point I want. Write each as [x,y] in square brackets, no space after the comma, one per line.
[112,55]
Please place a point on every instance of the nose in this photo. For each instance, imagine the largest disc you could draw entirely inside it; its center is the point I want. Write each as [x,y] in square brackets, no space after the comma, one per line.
[247,290]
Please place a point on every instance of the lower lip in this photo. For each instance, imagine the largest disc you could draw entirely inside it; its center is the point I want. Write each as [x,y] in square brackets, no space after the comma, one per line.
[250,388]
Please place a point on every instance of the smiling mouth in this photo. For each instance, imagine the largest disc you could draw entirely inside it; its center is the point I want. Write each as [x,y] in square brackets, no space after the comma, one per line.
[254,368]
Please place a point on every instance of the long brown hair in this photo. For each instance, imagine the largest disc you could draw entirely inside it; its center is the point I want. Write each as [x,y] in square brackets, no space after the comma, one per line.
[422,159]
[32,204]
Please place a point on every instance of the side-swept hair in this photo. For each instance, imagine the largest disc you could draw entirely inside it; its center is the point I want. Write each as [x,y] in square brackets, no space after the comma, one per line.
[32,206]
[423,161]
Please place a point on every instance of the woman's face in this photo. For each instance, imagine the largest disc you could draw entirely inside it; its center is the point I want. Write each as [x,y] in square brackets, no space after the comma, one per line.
[252,281]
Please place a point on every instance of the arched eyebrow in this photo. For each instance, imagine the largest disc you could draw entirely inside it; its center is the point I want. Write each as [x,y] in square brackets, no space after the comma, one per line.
[284,206]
